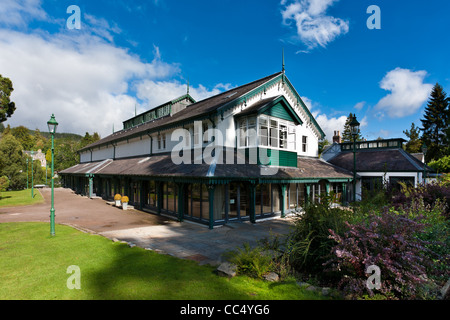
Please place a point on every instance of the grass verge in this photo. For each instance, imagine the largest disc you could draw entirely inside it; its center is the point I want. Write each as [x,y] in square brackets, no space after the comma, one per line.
[33,265]
[20,198]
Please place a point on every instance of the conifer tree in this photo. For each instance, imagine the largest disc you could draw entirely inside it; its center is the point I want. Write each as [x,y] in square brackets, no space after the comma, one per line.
[435,123]
[414,145]
[347,134]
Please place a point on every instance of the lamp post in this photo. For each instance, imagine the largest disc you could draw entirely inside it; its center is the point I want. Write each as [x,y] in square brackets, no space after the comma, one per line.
[354,126]
[52,125]
[27,172]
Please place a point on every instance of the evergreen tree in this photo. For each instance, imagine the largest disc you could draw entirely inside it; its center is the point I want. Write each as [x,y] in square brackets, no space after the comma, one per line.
[435,123]
[7,107]
[347,134]
[414,145]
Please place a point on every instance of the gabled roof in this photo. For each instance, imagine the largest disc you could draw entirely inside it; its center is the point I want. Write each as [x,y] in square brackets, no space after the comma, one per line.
[265,106]
[205,109]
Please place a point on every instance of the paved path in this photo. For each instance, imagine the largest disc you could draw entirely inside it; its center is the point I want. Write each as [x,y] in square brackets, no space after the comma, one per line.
[185,240]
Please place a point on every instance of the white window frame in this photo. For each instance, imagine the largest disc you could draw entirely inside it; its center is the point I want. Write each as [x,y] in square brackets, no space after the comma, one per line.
[304,144]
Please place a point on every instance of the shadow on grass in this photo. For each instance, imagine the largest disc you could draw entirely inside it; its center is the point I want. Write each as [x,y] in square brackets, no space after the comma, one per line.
[138,274]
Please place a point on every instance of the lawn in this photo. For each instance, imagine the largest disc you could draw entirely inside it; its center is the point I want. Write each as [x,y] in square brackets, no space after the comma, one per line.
[20,198]
[33,265]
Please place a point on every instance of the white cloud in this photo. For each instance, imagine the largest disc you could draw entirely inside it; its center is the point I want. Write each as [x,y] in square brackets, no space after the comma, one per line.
[17,13]
[80,75]
[329,125]
[360,105]
[408,93]
[314,27]
[83,80]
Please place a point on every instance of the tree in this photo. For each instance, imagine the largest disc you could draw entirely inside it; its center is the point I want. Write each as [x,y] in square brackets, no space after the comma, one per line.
[12,163]
[88,139]
[322,144]
[347,134]
[22,134]
[414,145]
[435,122]
[7,107]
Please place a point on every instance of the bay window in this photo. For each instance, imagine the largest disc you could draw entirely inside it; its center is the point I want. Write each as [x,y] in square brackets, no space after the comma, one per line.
[271,132]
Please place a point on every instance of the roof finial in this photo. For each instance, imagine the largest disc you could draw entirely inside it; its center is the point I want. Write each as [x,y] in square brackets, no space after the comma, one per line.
[188,85]
[282,60]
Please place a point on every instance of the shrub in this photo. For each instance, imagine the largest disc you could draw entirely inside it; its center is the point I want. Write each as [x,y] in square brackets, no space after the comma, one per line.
[4,183]
[430,194]
[441,165]
[251,262]
[389,241]
[117,197]
[125,199]
[309,244]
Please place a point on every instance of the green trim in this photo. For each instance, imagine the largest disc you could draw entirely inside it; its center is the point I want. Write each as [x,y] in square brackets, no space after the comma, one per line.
[278,108]
[304,107]
[262,89]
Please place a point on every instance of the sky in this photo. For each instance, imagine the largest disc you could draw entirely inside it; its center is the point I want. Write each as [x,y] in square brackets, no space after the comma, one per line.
[134,55]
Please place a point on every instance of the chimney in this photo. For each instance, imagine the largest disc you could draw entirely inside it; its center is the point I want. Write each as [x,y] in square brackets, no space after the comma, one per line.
[337,137]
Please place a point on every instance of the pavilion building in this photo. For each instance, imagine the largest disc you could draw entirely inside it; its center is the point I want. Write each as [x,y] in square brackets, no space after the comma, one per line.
[245,154]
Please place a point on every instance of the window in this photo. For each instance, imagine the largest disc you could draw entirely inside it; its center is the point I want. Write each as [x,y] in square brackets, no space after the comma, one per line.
[263,132]
[304,143]
[243,133]
[161,141]
[247,132]
[283,136]
[291,137]
[204,130]
[196,135]
[274,133]
[251,131]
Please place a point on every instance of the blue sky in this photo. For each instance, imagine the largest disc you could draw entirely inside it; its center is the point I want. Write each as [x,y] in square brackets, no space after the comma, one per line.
[138,54]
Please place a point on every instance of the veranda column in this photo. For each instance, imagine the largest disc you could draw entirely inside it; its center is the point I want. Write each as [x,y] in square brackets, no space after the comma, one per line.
[252,202]
[211,189]
[180,205]
[283,200]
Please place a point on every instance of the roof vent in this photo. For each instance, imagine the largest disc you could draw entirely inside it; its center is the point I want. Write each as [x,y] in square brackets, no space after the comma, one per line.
[230,95]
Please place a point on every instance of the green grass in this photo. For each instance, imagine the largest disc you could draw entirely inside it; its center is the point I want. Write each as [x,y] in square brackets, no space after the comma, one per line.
[20,198]
[33,265]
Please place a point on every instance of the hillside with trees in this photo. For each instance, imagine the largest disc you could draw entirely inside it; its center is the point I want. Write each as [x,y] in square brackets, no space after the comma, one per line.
[13,160]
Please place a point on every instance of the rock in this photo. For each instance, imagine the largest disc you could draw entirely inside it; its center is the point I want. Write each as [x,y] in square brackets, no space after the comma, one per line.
[445,290]
[227,269]
[271,276]
[303,284]
[311,288]
[325,291]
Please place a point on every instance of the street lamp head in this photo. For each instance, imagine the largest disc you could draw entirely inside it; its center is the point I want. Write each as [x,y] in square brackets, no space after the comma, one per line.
[52,124]
[354,125]
[424,148]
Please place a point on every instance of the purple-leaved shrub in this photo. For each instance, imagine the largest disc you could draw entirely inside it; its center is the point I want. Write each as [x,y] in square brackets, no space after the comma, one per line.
[390,241]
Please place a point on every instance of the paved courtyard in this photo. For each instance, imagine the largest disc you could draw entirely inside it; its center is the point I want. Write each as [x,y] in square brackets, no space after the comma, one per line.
[185,240]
